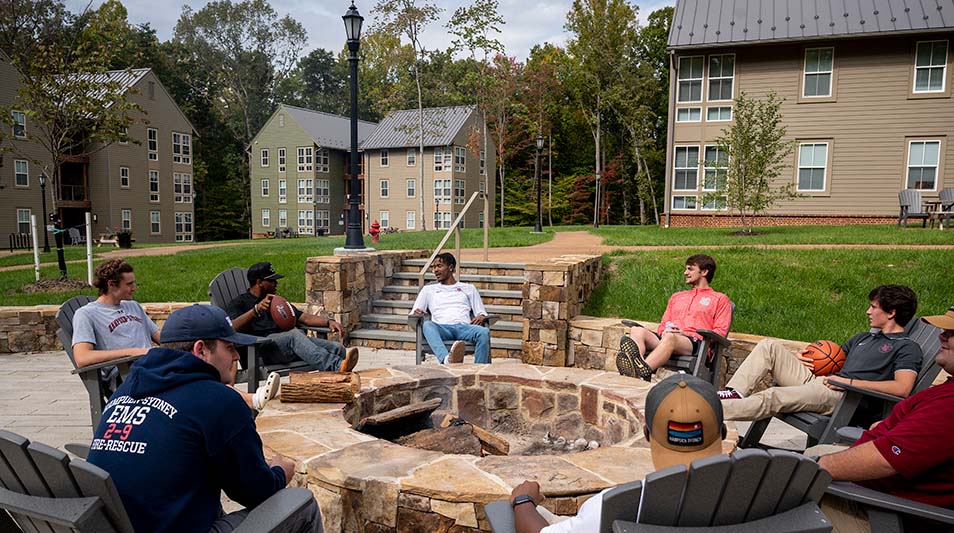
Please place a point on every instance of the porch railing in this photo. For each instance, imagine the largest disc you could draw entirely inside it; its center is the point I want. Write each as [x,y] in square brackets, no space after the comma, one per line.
[455,229]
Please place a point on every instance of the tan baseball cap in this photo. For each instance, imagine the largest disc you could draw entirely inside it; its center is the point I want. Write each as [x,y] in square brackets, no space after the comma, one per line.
[684,417]
[945,321]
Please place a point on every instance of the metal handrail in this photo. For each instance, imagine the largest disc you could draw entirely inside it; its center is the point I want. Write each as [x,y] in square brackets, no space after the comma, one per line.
[455,228]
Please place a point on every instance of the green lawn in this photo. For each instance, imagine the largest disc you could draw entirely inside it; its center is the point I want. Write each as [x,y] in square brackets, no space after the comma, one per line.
[856,234]
[793,294]
[26,257]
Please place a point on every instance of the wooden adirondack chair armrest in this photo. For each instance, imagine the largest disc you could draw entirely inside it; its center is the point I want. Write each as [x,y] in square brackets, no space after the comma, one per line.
[271,514]
[414,321]
[631,323]
[64,511]
[852,389]
[805,517]
[866,496]
[77,449]
[500,516]
[491,320]
[114,362]
[712,336]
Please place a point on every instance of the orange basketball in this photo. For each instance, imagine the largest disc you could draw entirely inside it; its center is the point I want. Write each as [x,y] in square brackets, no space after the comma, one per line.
[283,314]
[827,357]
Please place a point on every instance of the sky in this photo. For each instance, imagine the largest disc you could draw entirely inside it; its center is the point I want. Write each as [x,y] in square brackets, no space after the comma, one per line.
[528,22]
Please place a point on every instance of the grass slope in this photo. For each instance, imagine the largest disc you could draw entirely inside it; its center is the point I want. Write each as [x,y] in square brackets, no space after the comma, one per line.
[857,234]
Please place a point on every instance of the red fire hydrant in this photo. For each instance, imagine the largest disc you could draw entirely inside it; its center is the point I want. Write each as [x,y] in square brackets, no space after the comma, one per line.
[375,231]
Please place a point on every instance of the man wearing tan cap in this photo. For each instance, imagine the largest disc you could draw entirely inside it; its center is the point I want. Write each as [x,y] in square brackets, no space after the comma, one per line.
[683,423]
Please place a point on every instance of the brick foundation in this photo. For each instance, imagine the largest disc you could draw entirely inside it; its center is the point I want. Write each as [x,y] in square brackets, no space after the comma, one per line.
[734,221]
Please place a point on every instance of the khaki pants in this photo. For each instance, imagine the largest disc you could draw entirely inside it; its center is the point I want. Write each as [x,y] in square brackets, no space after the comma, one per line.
[796,388]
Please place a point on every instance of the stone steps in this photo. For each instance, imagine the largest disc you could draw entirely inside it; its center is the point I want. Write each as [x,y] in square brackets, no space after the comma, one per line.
[505,329]
[403,307]
[489,296]
[404,340]
[481,281]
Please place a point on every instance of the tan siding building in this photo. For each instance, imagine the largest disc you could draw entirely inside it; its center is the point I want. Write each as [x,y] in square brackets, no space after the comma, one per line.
[870,112]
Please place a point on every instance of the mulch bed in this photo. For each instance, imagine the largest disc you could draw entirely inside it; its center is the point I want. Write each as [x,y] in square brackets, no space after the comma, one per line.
[55,285]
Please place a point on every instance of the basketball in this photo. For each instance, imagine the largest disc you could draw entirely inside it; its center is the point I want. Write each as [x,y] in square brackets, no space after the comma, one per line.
[283,314]
[827,357]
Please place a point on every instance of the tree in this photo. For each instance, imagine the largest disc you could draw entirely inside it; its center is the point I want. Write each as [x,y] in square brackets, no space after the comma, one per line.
[756,149]
[506,115]
[319,82]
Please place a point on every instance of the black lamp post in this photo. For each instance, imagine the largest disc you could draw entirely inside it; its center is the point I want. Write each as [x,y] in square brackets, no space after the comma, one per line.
[46,237]
[353,237]
[538,228]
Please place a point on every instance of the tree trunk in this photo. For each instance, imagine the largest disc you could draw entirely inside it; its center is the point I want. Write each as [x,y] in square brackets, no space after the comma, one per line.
[420,130]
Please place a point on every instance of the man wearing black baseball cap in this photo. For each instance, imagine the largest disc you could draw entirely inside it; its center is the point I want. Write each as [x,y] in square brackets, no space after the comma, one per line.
[174,434]
[250,314]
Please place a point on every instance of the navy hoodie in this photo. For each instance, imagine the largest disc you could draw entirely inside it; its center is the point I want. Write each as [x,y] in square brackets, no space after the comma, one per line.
[172,437]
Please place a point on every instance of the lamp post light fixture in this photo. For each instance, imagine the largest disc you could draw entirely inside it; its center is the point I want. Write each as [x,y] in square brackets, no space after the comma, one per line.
[437,212]
[46,237]
[354,240]
[538,228]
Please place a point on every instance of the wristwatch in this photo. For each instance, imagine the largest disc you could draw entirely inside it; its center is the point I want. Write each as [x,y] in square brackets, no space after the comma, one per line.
[522,498]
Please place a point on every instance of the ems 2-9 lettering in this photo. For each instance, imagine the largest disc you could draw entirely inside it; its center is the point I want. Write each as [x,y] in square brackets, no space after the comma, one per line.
[121,421]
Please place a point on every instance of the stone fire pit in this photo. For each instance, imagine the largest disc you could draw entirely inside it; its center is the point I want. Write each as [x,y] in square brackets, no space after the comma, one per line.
[364,483]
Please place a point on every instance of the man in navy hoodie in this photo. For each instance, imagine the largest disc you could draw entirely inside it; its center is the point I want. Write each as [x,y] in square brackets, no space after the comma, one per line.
[174,435]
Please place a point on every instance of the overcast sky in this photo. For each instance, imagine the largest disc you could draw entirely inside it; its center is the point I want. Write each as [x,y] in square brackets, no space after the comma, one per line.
[528,22]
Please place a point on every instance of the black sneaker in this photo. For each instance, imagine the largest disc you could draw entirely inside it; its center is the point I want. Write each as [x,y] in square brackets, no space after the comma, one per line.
[630,350]
[625,365]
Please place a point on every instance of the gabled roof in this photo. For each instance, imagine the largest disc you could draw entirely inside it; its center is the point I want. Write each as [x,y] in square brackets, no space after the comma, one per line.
[399,129]
[708,23]
[327,130]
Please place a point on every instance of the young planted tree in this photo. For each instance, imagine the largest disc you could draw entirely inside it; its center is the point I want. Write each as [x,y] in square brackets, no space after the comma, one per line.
[756,151]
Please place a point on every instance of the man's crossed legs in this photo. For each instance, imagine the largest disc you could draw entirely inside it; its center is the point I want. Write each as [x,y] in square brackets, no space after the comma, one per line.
[321,354]
[648,351]
[436,334]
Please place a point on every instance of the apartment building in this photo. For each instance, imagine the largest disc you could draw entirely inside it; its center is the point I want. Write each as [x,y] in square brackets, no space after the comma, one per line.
[867,103]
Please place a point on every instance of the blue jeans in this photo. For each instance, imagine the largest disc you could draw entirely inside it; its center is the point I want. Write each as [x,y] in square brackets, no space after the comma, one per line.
[436,334]
[288,345]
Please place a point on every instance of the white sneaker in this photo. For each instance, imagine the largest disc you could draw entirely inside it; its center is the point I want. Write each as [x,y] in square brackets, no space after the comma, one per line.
[266,392]
[456,354]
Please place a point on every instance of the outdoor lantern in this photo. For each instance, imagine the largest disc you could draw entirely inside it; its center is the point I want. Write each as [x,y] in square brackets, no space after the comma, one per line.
[352,21]
[42,180]
[539,142]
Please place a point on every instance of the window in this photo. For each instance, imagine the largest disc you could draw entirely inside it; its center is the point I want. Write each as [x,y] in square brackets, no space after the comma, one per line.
[483,163]
[460,192]
[461,223]
[683,202]
[152,143]
[304,158]
[411,157]
[126,219]
[818,69]
[930,67]
[155,225]
[264,187]
[715,204]
[715,164]
[687,168]
[719,114]
[384,157]
[306,221]
[183,227]
[322,192]
[153,185]
[442,191]
[689,114]
[812,160]
[410,219]
[322,160]
[323,219]
[124,137]
[282,191]
[690,79]
[442,219]
[385,185]
[281,160]
[281,121]
[21,168]
[411,187]
[305,191]
[481,187]
[19,125]
[282,218]
[23,221]
[442,158]
[264,157]
[460,159]
[385,219]
[182,148]
[721,73]
[480,219]
[266,217]
[923,158]
[182,188]
[124,177]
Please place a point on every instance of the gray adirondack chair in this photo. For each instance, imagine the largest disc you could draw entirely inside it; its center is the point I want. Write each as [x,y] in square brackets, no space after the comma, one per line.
[822,429]
[76,236]
[223,289]
[911,207]
[946,210]
[748,491]
[706,362]
[41,489]
[422,348]
[885,512]
[98,393]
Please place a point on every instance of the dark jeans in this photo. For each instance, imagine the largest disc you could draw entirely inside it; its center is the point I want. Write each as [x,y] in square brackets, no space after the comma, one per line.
[306,521]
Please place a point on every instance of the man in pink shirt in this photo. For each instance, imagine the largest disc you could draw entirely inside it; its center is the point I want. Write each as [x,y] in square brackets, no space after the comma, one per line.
[697,308]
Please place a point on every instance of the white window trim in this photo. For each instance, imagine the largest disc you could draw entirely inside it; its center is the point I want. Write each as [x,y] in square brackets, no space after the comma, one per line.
[483,163]
[943,66]
[409,188]
[184,235]
[153,154]
[384,188]
[384,216]
[158,220]
[702,87]
[719,119]
[385,157]
[282,218]
[702,205]
[410,219]
[123,220]
[690,114]
[675,168]
[185,140]
[158,187]
[266,187]
[702,184]
[282,159]
[323,185]
[322,160]
[183,181]
[323,218]
[27,173]
[937,167]
[266,217]
[799,167]
[128,179]
[831,73]
[13,115]
[28,212]
[265,155]
[411,157]
[673,202]
[710,78]
[283,186]
[460,151]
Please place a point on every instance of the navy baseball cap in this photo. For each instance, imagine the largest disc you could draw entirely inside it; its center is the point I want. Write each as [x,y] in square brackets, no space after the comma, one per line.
[198,322]
[263,271]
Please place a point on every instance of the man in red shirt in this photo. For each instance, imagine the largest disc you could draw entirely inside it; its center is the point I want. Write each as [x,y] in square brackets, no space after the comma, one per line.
[697,308]
[909,454]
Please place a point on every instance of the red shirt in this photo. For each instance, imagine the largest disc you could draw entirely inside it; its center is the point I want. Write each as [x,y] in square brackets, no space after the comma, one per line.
[916,439]
[698,309]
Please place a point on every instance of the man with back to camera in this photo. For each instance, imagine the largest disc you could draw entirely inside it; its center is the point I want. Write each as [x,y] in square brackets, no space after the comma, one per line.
[174,435]
[250,314]
[885,361]
[700,307]
[457,313]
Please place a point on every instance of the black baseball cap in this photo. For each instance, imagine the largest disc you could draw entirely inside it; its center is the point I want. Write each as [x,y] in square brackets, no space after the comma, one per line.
[263,271]
[198,322]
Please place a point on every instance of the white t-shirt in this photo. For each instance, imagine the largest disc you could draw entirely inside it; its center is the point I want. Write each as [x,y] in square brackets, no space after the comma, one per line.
[450,304]
[113,327]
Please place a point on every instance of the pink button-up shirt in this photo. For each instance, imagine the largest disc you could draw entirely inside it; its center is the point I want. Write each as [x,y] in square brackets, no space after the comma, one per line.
[698,309]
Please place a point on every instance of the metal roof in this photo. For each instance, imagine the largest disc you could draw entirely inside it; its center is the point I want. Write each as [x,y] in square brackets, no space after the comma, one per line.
[399,129]
[707,23]
[125,78]
[327,130]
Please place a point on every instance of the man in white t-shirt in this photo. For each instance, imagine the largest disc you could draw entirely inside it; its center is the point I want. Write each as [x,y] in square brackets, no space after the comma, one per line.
[457,314]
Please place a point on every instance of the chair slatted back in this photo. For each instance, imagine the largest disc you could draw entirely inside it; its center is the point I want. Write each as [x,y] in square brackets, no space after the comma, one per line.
[94,481]
[910,200]
[927,337]
[705,482]
[18,474]
[64,317]
[659,506]
[618,504]
[54,466]
[772,486]
[228,285]
[740,488]
[946,197]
